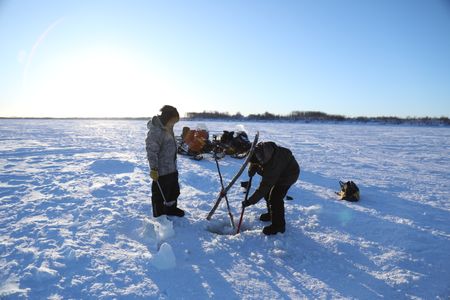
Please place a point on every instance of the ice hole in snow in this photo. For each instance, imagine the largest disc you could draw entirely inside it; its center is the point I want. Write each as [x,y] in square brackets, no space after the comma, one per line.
[221,227]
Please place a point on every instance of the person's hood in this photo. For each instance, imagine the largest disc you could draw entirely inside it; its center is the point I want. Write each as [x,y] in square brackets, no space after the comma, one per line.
[265,151]
[155,122]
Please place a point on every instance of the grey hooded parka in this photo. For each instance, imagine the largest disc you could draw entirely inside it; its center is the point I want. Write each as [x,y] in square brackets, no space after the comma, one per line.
[161,147]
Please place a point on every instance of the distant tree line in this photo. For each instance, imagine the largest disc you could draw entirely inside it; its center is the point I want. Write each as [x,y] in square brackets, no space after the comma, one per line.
[300,116]
[213,115]
[315,116]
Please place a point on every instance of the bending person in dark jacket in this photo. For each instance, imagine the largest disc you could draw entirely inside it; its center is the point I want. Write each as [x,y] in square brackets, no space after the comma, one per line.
[279,171]
[161,149]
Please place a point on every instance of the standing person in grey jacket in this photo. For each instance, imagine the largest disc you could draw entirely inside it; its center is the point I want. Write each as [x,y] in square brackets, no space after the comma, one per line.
[161,149]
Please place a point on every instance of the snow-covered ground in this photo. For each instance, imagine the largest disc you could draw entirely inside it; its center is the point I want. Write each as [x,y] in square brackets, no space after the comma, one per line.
[75,216]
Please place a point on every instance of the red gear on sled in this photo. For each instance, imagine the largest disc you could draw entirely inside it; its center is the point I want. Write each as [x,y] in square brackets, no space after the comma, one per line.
[195,139]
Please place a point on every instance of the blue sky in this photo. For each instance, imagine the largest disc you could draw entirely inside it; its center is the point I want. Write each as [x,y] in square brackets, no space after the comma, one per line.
[128,58]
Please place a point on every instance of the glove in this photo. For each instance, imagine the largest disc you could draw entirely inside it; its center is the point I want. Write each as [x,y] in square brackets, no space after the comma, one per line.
[250,201]
[154,174]
[246,203]
[252,168]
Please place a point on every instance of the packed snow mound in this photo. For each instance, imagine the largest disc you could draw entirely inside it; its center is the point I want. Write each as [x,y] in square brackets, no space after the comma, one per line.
[164,228]
[165,258]
[76,219]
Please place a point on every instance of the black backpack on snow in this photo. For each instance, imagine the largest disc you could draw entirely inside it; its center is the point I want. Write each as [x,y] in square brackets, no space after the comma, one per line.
[349,191]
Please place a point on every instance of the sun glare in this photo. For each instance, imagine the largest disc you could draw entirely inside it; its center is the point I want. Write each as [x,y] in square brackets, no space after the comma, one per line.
[98,83]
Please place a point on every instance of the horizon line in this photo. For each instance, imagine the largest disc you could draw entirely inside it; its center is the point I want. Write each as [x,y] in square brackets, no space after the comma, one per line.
[227,114]
[224,116]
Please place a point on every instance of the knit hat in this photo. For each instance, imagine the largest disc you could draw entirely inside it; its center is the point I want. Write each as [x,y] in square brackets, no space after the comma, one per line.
[168,112]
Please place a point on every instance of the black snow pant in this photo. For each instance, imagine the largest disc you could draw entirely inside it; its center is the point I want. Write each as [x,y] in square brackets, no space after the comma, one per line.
[171,189]
[275,204]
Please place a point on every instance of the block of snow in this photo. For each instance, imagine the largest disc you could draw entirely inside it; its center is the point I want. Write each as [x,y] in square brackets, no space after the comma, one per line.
[165,258]
[164,228]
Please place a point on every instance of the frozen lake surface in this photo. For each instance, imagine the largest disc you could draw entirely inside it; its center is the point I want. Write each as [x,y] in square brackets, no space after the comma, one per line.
[75,216]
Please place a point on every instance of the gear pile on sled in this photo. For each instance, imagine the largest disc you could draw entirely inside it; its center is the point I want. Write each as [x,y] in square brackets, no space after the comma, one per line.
[196,143]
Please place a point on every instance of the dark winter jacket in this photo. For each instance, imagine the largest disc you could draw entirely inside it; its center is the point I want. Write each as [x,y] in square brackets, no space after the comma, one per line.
[279,168]
[161,147]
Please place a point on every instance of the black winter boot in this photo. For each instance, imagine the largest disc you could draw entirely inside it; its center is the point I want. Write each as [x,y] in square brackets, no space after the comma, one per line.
[174,211]
[273,229]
